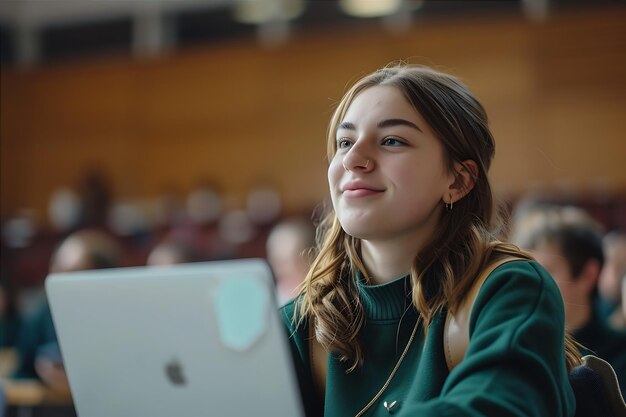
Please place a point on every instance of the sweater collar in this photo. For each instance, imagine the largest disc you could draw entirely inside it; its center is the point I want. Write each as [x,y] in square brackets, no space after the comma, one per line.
[387,301]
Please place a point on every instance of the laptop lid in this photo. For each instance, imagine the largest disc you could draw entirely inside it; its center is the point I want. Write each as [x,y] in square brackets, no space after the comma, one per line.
[200,339]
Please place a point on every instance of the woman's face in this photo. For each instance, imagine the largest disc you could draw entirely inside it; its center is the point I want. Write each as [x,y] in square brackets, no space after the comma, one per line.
[388,177]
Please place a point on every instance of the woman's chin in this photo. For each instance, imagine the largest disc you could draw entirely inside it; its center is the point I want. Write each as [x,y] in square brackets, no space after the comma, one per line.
[360,232]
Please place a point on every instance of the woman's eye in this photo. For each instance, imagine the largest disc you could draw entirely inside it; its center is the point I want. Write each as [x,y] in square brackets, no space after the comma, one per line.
[343,143]
[392,142]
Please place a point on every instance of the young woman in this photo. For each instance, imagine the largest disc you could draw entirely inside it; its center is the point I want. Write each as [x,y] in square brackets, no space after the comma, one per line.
[408,236]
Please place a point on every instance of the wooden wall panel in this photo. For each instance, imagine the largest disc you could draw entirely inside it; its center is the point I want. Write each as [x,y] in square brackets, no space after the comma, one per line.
[237,114]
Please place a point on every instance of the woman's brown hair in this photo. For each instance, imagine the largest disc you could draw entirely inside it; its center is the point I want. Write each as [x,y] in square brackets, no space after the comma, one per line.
[464,243]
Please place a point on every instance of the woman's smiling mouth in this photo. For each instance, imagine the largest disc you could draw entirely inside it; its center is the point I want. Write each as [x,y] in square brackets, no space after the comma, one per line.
[359,190]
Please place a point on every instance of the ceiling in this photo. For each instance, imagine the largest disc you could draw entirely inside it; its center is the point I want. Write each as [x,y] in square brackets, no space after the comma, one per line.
[36,31]
[40,13]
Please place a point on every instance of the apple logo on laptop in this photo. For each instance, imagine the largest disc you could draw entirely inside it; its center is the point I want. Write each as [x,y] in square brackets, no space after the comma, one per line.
[174,372]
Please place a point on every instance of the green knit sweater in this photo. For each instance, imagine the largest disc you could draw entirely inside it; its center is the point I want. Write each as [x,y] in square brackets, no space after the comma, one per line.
[514,364]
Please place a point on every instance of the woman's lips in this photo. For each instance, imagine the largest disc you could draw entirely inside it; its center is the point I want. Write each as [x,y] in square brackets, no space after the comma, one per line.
[359,191]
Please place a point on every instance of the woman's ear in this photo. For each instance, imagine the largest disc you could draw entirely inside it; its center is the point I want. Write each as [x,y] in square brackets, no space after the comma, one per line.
[465,175]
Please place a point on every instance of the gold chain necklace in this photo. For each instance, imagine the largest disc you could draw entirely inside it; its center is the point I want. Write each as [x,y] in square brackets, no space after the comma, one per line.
[392,374]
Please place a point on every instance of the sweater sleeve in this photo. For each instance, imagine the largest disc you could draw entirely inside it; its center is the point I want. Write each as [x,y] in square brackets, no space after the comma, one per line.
[515,362]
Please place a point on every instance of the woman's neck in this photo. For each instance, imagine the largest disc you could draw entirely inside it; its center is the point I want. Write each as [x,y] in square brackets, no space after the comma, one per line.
[386,261]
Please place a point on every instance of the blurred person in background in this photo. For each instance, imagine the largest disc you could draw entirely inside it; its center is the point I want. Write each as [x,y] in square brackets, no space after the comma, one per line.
[9,320]
[95,198]
[613,272]
[36,346]
[288,248]
[171,252]
[9,327]
[618,318]
[568,243]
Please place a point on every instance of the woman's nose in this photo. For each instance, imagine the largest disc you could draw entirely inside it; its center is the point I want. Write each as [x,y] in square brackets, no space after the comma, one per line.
[357,160]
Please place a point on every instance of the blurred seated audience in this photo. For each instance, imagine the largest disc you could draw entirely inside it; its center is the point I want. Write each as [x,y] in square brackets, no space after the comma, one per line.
[36,344]
[611,277]
[289,247]
[568,243]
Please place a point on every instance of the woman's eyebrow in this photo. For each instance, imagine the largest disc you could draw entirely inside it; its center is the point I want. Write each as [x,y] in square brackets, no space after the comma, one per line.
[346,125]
[382,124]
[397,122]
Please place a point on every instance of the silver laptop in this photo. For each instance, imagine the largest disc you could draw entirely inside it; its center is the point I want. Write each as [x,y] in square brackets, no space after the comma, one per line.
[190,340]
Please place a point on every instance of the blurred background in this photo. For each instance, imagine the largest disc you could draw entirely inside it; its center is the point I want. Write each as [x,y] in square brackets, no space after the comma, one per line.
[204,121]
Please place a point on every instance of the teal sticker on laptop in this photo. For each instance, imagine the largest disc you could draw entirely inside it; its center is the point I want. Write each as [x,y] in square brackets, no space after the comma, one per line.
[241,305]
